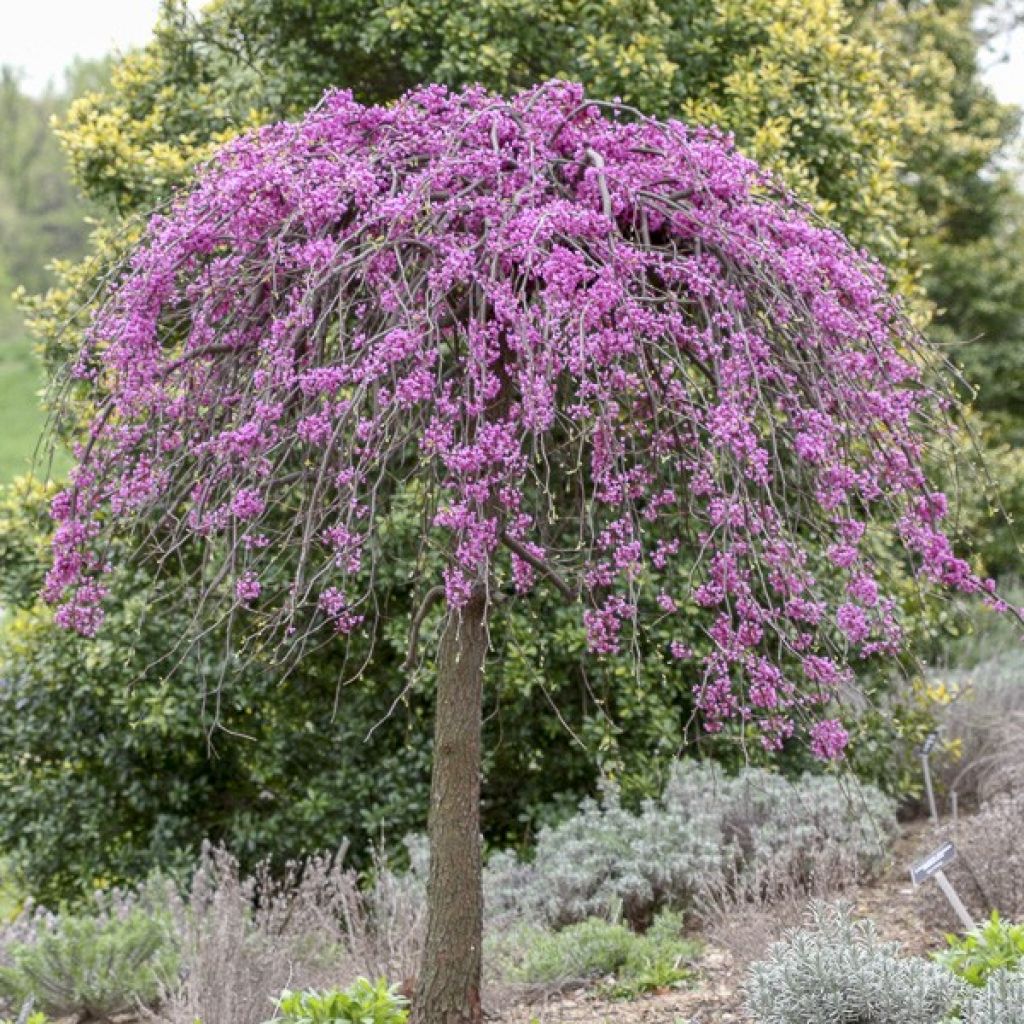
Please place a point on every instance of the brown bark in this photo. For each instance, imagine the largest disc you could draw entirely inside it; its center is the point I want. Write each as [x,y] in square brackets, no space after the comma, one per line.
[448,990]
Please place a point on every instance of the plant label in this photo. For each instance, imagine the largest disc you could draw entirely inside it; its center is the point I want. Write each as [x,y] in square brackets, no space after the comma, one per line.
[929,742]
[931,867]
[933,863]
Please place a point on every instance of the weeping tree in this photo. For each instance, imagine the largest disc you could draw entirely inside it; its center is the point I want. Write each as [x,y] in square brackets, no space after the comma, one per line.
[590,351]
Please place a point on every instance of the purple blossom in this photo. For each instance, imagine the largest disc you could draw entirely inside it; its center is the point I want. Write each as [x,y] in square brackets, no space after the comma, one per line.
[247,588]
[828,739]
[852,620]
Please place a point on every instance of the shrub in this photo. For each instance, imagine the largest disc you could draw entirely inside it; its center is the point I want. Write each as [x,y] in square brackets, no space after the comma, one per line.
[708,836]
[95,965]
[246,938]
[605,861]
[985,728]
[145,790]
[989,871]
[363,1002]
[838,971]
[985,950]
[596,948]
[999,1002]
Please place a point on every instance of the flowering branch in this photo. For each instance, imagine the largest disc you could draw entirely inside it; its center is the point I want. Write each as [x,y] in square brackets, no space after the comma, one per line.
[546,569]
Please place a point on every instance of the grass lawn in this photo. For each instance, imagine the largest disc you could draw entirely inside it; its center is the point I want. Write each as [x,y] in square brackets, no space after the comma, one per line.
[21,418]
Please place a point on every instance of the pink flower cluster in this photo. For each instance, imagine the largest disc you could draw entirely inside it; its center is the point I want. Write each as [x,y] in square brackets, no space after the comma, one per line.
[612,343]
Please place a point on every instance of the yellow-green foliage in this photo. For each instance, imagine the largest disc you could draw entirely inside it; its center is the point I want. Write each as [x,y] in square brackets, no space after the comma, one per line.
[166,109]
[792,78]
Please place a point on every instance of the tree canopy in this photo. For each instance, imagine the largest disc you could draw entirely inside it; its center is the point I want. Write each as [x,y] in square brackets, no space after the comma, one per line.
[611,348]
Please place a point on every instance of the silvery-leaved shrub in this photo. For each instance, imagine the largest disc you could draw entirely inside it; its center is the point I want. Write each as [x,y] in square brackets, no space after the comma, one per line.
[764,817]
[838,971]
[708,837]
[605,861]
[1001,1001]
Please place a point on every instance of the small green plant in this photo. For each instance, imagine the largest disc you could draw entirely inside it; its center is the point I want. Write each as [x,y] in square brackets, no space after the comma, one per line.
[599,949]
[93,966]
[363,1002]
[994,946]
[32,1018]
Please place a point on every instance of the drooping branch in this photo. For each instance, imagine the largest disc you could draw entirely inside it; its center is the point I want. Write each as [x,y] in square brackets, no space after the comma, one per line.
[432,596]
[544,568]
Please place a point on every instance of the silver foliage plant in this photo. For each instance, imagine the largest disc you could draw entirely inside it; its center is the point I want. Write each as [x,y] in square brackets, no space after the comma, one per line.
[1001,1001]
[708,835]
[838,971]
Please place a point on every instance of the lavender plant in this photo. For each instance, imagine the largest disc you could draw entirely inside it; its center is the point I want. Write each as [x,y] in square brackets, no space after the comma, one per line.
[245,939]
[999,1002]
[838,971]
[94,965]
[708,836]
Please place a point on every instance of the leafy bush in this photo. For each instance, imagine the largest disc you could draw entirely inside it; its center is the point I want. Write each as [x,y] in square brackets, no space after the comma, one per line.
[838,971]
[887,732]
[94,965]
[363,1002]
[999,1002]
[597,948]
[985,950]
[709,834]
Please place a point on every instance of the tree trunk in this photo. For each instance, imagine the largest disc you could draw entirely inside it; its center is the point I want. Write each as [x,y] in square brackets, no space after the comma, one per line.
[448,990]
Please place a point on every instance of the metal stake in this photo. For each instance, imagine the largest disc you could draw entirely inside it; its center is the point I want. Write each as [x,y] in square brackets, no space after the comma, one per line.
[932,809]
[954,901]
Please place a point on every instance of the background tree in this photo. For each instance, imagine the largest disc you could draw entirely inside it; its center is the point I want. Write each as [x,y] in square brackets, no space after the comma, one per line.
[41,215]
[40,210]
[591,352]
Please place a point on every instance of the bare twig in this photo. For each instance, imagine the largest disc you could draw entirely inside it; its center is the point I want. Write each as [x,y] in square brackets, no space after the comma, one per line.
[521,551]
[432,596]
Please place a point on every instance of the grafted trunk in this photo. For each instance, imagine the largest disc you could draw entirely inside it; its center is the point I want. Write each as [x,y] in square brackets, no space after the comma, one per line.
[448,991]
